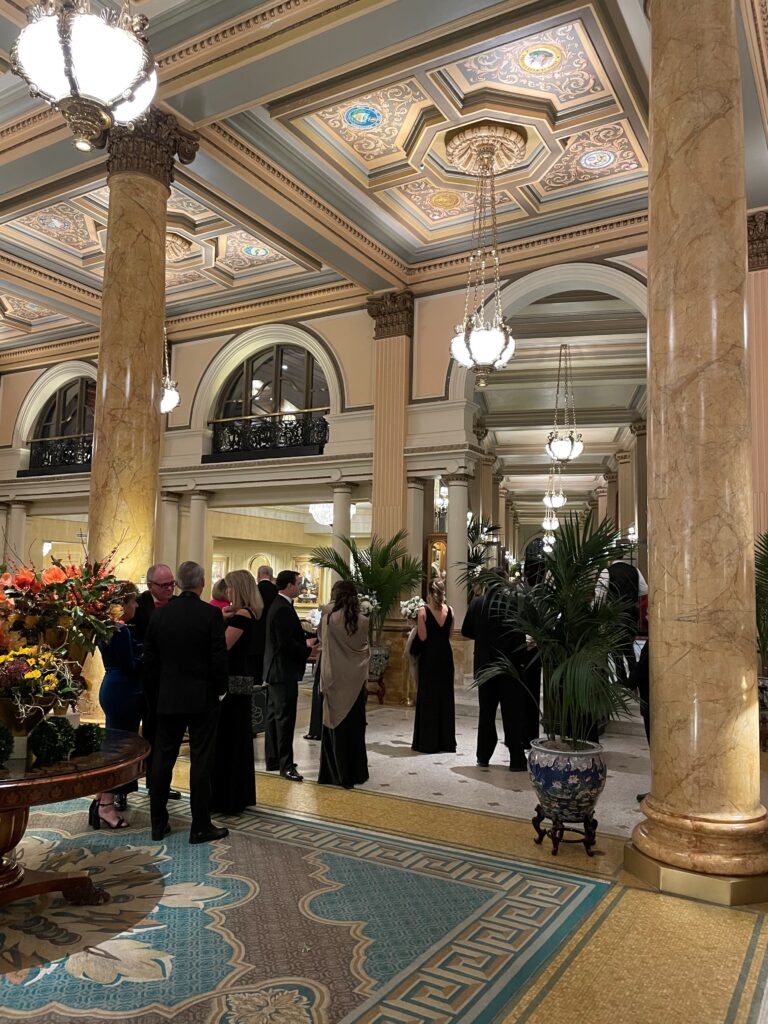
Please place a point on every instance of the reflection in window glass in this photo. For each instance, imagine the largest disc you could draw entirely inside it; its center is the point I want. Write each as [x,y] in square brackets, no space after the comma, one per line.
[293,379]
[283,379]
[262,384]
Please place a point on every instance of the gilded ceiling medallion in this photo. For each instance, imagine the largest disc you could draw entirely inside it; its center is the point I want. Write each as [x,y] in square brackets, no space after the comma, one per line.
[445,200]
[540,58]
[486,143]
[597,160]
[363,115]
[176,247]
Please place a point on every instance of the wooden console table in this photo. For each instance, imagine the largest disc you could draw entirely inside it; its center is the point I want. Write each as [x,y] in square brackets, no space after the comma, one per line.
[120,760]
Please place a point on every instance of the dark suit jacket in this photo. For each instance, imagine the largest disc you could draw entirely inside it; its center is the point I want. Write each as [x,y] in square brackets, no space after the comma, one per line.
[268,592]
[185,656]
[492,637]
[145,609]
[286,652]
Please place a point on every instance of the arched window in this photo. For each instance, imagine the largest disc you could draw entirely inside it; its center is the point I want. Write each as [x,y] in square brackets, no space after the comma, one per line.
[276,400]
[63,434]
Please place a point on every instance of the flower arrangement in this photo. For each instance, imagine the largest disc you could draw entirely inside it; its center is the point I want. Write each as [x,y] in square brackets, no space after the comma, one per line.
[32,675]
[410,609]
[368,604]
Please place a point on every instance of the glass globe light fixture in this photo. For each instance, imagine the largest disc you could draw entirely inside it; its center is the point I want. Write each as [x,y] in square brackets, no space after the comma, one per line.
[97,69]
[564,443]
[550,522]
[170,397]
[554,497]
[322,513]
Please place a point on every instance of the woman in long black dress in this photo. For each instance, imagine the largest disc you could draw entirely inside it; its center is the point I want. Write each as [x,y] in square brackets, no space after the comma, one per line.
[234,777]
[344,661]
[434,729]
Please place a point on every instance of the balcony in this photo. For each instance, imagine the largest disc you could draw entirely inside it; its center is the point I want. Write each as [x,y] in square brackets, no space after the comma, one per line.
[49,455]
[279,436]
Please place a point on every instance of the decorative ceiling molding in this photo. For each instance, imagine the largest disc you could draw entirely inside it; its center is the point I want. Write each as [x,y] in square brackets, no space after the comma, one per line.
[757,240]
[250,164]
[48,353]
[29,132]
[14,12]
[48,286]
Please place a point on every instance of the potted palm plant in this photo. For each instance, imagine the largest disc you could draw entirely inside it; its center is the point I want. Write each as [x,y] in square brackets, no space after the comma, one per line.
[382,573]
[574,636]
[761,608]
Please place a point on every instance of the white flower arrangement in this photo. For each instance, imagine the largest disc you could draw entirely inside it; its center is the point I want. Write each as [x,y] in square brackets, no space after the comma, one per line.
[409,609]
[314,617]
[368,604]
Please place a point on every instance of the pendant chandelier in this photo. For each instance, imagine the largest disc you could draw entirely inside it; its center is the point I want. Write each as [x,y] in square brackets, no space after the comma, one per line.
[483,341]
[322,512]
[549,543]
[550,522]
[441,501]
[554,497]
[564,443]
[97,69]
[170,397]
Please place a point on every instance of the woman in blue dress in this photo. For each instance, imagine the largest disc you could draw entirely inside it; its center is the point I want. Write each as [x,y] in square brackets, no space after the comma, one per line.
[121,697]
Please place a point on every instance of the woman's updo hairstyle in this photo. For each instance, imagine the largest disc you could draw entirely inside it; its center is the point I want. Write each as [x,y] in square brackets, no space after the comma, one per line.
[437,591]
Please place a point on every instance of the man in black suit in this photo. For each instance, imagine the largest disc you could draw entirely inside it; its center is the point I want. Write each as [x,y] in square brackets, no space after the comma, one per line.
[265,581]
[492,641]
[185,656]
[285,658]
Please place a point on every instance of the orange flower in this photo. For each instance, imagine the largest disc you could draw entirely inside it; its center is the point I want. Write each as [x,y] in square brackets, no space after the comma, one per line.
[6,580]
[53,575]
[73,571]
[25,579]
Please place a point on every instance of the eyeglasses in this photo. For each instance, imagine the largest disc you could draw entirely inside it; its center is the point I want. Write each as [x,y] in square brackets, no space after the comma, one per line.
[163,586]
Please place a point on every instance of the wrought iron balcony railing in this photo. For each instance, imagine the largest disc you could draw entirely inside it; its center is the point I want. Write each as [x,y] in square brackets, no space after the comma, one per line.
[280,435]
[59,455]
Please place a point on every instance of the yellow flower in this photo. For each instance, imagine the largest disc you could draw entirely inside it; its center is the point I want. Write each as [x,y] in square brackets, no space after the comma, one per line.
[34,674]
[50,679]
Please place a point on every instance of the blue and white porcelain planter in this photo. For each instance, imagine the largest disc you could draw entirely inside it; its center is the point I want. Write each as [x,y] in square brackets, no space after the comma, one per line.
[567,781]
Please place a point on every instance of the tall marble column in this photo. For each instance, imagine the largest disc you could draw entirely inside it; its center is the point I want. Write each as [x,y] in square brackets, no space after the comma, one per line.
[640,461]
[127,426]
[703,813]
[611,501]
[416,518]
[626,492]
[393,317]
[601,493]
[501,518]
[487,508]
[757,327]
[198,515]
[16,532]
[167,551]
[456,545]
[342,518]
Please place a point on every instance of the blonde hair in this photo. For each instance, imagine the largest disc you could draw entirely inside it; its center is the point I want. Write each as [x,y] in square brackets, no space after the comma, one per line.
[245,593]
[437,592]
[219,590]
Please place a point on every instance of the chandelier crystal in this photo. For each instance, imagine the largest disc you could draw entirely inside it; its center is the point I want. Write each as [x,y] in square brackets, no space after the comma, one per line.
[97,69]
[170,397]
[564,442]
[484,150]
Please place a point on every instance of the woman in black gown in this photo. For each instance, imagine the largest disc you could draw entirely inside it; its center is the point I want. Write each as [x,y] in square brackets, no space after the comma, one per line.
[234,778]
[434,728]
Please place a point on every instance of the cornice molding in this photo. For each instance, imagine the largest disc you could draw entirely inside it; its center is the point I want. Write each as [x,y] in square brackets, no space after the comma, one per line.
[15,269]
[757,240]
[250,164]
[31,358]
[392,314]
[31,130]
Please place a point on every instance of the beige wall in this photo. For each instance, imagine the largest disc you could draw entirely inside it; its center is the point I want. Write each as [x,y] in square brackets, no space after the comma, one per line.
[14,388]
[435,321]
[190,360]
[350,336]
[62,533]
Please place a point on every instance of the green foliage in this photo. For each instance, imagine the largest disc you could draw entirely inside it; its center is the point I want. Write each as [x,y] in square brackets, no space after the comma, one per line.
[383,570]
[6,745]
[478,549]
[574,636]
[88,739]
[52,740]
[761,599]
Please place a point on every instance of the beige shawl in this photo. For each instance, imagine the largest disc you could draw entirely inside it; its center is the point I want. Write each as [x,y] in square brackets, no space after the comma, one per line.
[343,665]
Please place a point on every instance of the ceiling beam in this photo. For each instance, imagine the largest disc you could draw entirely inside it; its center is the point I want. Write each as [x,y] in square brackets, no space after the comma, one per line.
[536,418]
[584,375]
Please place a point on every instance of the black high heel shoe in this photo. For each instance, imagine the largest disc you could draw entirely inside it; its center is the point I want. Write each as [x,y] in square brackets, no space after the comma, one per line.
[95,820]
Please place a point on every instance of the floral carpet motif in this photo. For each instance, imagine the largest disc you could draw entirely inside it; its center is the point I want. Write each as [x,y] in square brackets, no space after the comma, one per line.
[288,921]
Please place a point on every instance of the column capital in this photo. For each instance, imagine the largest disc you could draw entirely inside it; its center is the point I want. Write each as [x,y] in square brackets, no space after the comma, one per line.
[343,487]
[479,429]
[639,428]
[200,495]
[416,482]
[601,490]
[19,503]
[150,147]
[498,478]
[610,476]
[457,478]
[392,314]
[173,497]
[757,240]
[623,458]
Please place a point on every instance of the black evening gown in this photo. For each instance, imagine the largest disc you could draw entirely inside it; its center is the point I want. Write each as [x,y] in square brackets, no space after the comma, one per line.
[434,729]
[234,777]
[316,713]
[343,759]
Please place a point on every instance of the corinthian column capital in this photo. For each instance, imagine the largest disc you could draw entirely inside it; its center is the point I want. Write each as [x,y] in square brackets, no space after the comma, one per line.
[392,314]
[150,147]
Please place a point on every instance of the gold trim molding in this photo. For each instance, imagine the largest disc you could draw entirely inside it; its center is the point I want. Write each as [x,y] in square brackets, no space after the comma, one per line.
[47,354]
[14,269]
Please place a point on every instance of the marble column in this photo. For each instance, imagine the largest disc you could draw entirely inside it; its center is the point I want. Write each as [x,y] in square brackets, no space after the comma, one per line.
[703,813]
[342,519]
[611,501]
[416,518]
[167,550]
[601,493]
[393,318]
[198,515]
[456,545]
[501,518]
[757,327]
[487,508]
[626,492]
[16,533]
[640,461]
[476,490]
[127,426]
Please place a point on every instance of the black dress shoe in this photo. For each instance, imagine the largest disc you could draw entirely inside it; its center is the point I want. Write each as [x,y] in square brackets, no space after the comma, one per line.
[292,775]
[161,832]
[174,794]
[209,836]
[481,764]
[309,736]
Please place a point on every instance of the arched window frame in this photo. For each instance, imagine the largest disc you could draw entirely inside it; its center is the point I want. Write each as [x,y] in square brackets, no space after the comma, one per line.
[247,373]
[55,405]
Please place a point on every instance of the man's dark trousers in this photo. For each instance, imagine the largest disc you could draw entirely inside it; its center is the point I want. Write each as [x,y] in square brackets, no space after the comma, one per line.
[282,699]
[504,691]
[202,747]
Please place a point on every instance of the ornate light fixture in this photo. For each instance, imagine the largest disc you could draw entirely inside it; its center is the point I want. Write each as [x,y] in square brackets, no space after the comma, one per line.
[549,543]
[484,149]
[98,70]
[441,501]
[550,522]
[322,512]
[554,497]
[170,397]
[564,443]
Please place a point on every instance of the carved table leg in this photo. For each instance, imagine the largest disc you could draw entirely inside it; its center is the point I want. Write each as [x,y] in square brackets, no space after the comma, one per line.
[556,832]
[13,824]
[536,822]
[590,833]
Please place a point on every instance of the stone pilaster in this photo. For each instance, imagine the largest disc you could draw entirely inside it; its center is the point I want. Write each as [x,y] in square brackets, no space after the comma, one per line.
[16,533]
[456,544]
[416,518]
[611,498]
[342,519]
[601,493]
[167,550]
[757,331]
[198,516]
[640,461]
[626,492]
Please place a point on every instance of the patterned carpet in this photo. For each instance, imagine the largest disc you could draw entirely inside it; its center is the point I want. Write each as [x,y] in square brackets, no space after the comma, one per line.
[296,920]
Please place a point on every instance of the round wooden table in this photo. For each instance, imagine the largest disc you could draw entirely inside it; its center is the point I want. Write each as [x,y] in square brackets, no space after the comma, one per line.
[120,760]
